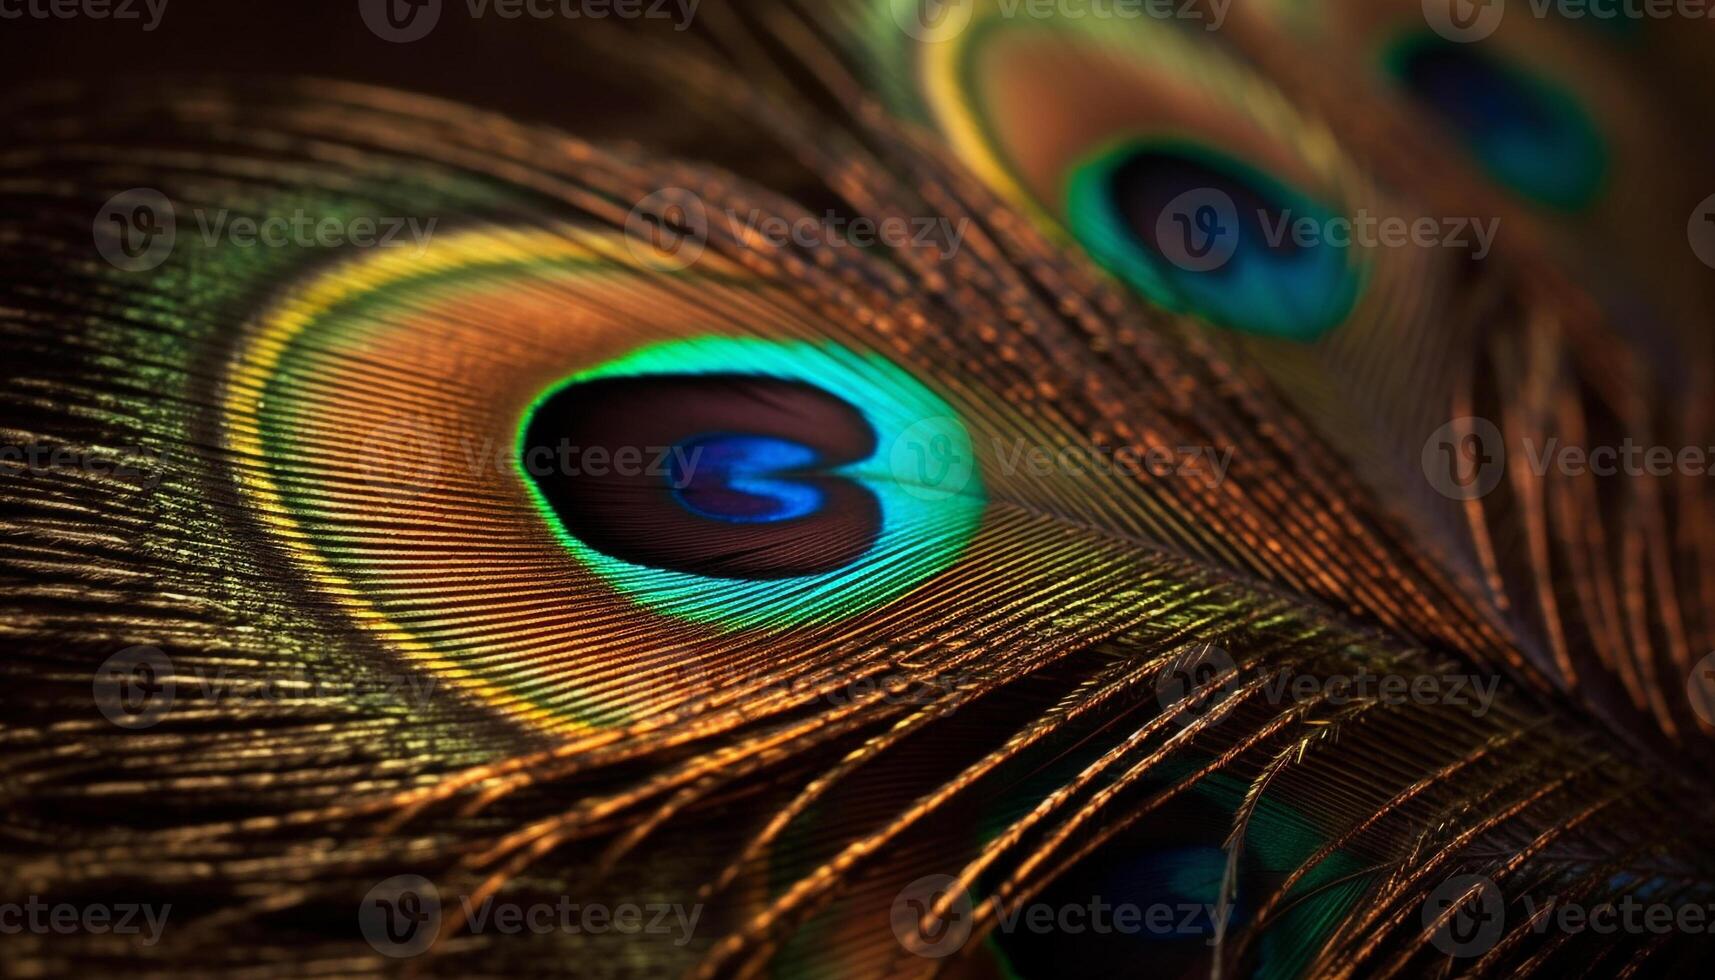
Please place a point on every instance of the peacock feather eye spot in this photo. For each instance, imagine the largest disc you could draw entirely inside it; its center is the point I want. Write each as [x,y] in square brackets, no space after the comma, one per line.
[1205,233]
[764,484]
[1531,135]
[581,469]
[744,487]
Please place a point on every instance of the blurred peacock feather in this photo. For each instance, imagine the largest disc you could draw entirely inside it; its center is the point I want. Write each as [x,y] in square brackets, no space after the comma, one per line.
[832,640]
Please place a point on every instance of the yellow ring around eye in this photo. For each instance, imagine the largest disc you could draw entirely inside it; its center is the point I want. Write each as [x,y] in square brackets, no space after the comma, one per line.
[519,266]
[260,359]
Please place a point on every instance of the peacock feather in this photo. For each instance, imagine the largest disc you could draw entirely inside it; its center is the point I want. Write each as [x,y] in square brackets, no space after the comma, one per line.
[812,495]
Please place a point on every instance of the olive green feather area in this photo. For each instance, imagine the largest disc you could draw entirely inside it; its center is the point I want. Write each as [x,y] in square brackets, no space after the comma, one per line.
[832,628]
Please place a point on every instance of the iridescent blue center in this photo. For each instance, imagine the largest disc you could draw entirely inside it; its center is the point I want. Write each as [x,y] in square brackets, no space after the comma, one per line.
[744,479]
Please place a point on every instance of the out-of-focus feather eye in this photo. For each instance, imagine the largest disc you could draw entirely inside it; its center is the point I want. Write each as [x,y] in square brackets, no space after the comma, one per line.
[1163,877]
[1149,211]
[501,454]
[1537,103]
[1548,110]
[1529,134]
[1154,149]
